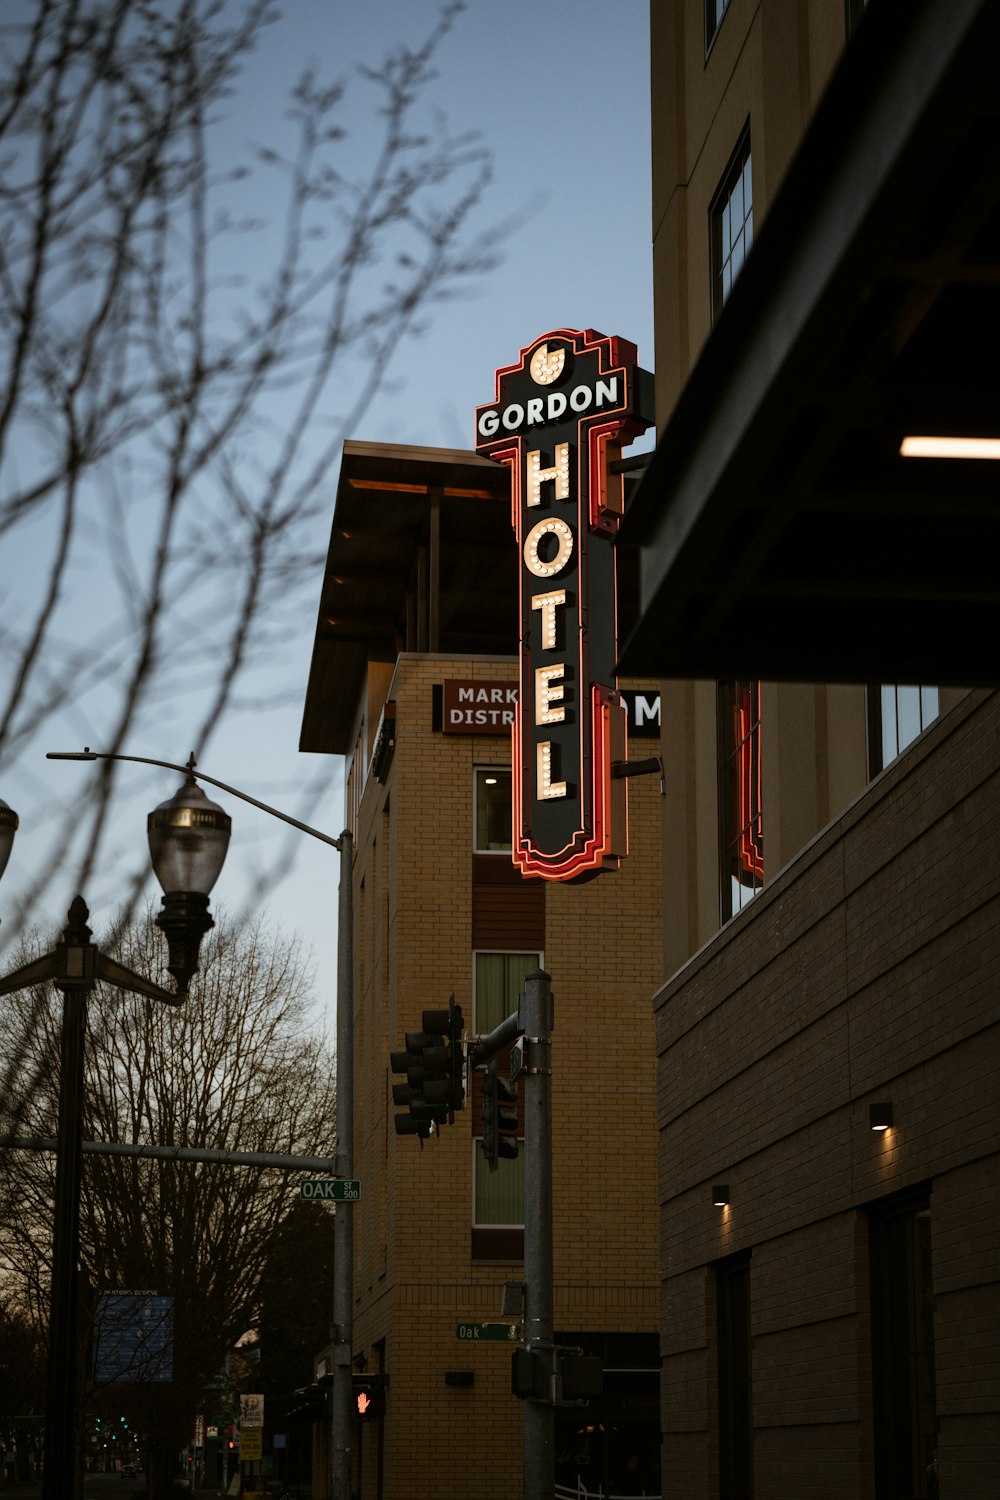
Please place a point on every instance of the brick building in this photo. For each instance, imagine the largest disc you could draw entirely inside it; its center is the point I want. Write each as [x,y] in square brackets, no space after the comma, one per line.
[826,222]
[412,677]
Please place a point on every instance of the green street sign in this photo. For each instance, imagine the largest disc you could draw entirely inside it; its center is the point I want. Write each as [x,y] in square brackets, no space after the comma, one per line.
[490,1333]
[330,1189]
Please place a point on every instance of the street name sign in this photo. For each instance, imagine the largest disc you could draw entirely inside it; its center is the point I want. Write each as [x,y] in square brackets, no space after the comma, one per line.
[495,1333]
[331,1189]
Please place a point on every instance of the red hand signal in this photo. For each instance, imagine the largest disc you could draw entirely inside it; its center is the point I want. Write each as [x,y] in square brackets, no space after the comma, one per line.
[364,1401]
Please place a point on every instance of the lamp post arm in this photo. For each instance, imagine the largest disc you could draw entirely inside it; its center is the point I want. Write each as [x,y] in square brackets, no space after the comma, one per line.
[52,966]
[37,972]
[190,770]
[126,979]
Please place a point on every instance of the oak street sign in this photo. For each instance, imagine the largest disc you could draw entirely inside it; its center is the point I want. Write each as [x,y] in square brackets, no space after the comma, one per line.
[490,1333]
[331,1189]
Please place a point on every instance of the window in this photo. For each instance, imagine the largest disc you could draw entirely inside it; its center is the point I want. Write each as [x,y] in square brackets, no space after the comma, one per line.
[896,715]
[902,1325]
[733,1365]
[498,1198]
[354,785]
[731,216]
[714,12]
[739,794]
[493,811]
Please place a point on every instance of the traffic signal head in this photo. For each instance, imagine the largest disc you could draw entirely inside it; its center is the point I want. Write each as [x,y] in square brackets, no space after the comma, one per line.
[368,1393]
[420,1115]
[433,1064]
[499,1117]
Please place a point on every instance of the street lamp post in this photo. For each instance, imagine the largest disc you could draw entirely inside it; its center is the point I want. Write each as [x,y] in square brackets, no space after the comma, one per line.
[188,840]
[174,918]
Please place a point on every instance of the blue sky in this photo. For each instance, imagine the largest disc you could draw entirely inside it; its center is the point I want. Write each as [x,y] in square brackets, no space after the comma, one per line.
[559,91]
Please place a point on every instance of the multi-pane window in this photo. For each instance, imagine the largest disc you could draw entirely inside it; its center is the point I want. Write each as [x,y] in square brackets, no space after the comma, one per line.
[740,799]
[896,715]
[731,224]
[499,980]
[493,810]
[714,12]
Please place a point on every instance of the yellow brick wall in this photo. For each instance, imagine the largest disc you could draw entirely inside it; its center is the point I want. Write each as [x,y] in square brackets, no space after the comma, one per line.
[414,1274]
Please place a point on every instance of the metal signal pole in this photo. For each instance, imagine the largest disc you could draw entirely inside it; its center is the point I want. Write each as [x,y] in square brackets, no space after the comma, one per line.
[342,1415]
[539,1338]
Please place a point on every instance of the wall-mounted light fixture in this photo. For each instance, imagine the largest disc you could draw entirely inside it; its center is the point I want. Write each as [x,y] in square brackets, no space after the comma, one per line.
[720,1195]
[880,1115]
[921,446]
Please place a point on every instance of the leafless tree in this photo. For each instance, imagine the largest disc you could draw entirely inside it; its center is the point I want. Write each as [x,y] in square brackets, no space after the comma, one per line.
[22,1390]
[234,1068]
[184,342]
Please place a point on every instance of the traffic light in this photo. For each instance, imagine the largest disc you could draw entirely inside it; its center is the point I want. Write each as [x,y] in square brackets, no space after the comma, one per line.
[433,1064]
[420,1114]
[499,1117]
[443,1062]
[369,1396]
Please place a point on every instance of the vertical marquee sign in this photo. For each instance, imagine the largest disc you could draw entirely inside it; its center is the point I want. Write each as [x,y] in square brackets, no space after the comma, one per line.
[560,416]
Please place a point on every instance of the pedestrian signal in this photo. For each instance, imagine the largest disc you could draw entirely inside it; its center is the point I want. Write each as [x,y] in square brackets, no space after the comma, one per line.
[369,1397]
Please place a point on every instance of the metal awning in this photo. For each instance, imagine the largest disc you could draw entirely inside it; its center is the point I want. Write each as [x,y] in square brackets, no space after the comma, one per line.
[421,558]
[781,534]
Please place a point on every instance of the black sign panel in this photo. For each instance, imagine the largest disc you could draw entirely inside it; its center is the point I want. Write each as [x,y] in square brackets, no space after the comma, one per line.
[561,415]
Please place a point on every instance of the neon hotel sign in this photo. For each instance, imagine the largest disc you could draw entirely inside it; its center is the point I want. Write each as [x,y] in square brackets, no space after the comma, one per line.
[561,414]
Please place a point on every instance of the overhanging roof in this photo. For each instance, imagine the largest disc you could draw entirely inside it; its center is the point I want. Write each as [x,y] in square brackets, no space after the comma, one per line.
[782,536]
[421,558]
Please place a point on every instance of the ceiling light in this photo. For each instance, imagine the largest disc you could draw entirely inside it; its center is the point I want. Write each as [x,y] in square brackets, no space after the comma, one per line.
[950,447]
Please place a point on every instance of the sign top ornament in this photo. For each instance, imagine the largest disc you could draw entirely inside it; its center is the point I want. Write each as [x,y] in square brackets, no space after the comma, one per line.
[559,419]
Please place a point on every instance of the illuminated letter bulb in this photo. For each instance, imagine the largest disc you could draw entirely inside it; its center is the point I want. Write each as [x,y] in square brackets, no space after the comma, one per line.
[553,527]
[537,475]
[548,604]
[546,786]
[549,690]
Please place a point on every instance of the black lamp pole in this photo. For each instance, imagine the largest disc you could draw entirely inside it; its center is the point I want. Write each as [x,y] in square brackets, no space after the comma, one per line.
[188,837]
[342,1424]
[64,1351]
[188,840]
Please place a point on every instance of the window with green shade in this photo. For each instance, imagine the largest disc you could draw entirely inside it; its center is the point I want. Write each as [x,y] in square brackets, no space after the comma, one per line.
[498,1197]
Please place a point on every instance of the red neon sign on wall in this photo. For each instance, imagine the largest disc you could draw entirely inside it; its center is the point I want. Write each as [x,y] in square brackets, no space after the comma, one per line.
[561,414]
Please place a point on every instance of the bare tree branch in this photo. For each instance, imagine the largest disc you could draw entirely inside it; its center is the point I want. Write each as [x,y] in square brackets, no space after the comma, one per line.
[169,417]
[235,1068]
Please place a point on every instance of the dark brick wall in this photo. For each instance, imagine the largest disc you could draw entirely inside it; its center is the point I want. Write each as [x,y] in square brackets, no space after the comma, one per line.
[866,970]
